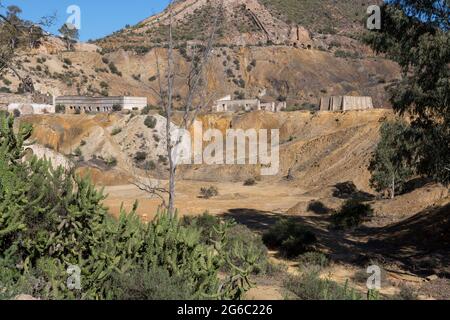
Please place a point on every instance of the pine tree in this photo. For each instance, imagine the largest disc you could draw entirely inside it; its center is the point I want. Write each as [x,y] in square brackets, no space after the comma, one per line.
[389,166]
[415,34]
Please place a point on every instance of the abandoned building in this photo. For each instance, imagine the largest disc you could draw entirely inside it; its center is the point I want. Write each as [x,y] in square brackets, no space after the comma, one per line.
[31,108]
[226,104]
[27,104]
[76,104]
[345,103]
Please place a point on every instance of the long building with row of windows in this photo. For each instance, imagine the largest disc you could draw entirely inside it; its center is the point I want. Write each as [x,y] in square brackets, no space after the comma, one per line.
[76,104]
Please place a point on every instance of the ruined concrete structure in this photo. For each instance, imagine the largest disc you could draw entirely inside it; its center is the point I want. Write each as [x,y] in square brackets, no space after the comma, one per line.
[76,104]
[345,103]
[33,108]
[226,104]
[8,98]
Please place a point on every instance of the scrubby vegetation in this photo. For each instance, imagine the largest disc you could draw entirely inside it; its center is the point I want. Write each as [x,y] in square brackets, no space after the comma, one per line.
[313,260]
[352,214]
[290,237]
[150,122]
[116,131]
[52,222]
[309,286]
[240,238]
[390,166]
[250,182]
[209,192]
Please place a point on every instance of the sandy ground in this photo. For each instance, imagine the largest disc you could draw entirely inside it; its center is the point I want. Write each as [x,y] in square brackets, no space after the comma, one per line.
[274,197]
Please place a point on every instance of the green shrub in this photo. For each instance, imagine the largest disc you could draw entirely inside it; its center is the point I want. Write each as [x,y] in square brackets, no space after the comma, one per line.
[310,286]
[146,110]
[111,162]
[163,159]
[313,260]
[60,108]
[352,214]
[407,293]
[150,165]
[51,219]
[290,237]
[209,192]
[318,207]
[154,284]
[250,182]
[114,70]
[117,108]
[116,131]
[150,122]
[140,156]
[239,238]
[77,152]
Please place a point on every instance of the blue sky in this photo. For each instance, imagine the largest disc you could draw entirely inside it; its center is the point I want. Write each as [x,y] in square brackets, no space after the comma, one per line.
[98,17]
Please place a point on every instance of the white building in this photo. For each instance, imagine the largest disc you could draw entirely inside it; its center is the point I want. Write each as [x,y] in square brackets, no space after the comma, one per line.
[75,104]
[226,104]
[31,108]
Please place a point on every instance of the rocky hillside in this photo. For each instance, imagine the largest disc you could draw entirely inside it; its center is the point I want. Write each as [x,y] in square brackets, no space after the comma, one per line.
[319,149]
[265,48]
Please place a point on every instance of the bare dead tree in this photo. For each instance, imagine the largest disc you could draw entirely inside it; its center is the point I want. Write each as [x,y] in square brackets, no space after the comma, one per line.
[194,102]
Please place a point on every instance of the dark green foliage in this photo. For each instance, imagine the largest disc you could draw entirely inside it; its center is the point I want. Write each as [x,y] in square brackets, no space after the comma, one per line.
[77,152]
[250,182]
[114,70]
[6,81]
[310,286]
[111,162]
[140,156]
[318,207]
[60,108]
[104,85]
[317,14]
[390,165]
[150,165]
[163,159]
[67,61]
[150,122]
[209,192]
[303,107]
[117,108]
[347,54]
[70,35]
[352,214]
[116,131]
[415,34]
[51,219]
[153,284]
[290,237]
[241,240]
